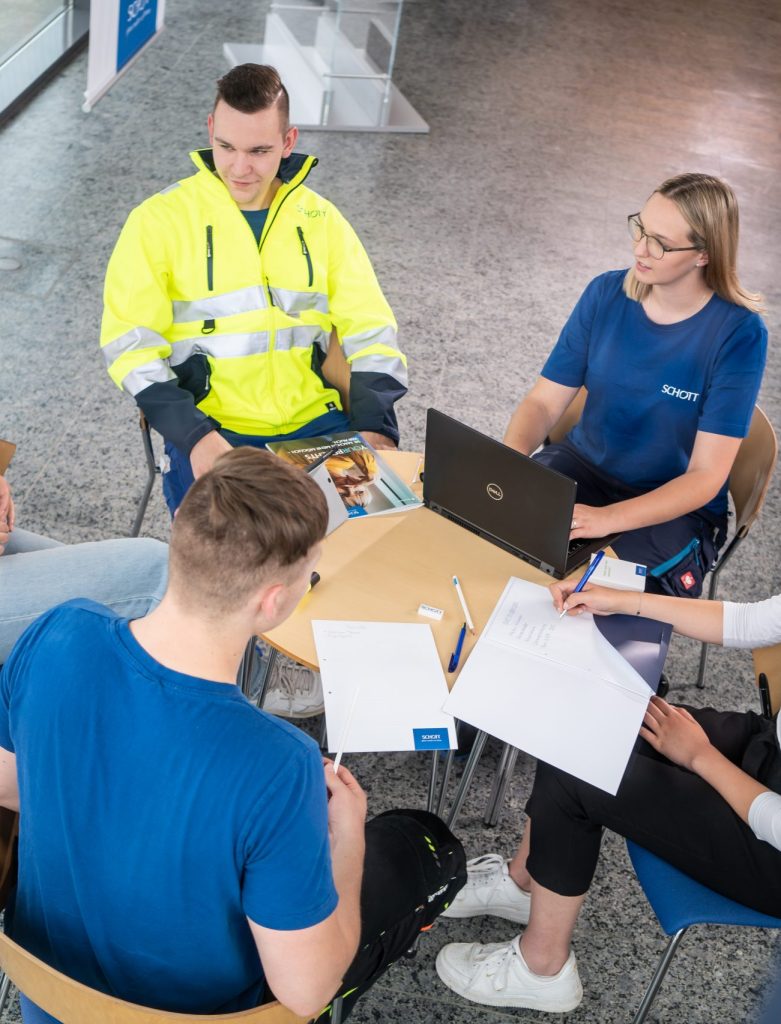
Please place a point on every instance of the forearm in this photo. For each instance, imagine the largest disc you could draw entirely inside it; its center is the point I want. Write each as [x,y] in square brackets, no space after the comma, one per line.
[529,425]
[347,864]
[700,620]
[684,494]
[729,781]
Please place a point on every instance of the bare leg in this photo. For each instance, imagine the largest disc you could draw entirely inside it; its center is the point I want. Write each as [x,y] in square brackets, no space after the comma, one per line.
[517,867]
[546,942]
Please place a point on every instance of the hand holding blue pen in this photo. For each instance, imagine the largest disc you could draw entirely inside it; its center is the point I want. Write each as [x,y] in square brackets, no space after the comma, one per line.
[586,577]
[456,655]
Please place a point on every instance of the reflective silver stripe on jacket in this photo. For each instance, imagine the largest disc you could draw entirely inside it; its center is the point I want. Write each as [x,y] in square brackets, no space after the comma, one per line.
[299,302]
[244,300]
[156,372]
[221,346]
[354,343]
[393,366]
[138,338]
[301,337]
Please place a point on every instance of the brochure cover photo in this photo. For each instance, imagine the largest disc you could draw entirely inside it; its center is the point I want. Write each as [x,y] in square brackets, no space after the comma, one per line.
[366,484]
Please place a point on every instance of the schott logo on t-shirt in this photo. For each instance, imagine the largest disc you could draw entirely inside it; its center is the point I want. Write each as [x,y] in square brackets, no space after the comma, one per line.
[687,396]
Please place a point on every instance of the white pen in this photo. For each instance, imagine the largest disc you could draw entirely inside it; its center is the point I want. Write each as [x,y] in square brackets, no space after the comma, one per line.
[461,598]
[345,730]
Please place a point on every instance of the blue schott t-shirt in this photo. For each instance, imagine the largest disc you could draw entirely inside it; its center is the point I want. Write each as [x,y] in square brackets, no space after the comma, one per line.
[158,812]
[651,386]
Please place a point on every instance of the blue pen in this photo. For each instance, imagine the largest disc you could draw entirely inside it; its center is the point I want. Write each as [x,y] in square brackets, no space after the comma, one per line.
[455,656]
[586,577]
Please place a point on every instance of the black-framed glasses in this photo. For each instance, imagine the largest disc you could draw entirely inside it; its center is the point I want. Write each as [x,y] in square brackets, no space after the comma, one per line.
[656,247]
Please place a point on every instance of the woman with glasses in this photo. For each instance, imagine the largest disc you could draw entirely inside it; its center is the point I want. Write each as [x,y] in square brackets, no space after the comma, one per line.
[671,353]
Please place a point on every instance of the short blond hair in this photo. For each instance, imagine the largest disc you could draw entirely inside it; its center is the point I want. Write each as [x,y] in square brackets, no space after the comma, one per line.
[710,208]
[251,516]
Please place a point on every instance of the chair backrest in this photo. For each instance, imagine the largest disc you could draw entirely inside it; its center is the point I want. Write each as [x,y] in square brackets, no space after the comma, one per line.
[752,471]
[7,449]
[572,414]
[767,661]
[74,1003]
[336,371]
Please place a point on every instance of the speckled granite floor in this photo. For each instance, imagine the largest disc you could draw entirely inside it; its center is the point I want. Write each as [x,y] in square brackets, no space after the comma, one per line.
[549,123]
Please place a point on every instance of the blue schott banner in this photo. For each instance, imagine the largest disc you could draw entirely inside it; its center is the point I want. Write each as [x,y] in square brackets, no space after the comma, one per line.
[137,20]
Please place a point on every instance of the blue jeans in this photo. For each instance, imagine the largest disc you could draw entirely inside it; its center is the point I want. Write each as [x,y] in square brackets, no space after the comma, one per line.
[36,573]
[178,478]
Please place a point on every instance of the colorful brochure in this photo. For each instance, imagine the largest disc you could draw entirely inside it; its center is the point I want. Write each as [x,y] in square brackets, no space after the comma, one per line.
[366,484]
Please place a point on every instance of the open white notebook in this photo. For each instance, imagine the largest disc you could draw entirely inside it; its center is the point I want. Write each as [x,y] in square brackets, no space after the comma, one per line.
[553,687]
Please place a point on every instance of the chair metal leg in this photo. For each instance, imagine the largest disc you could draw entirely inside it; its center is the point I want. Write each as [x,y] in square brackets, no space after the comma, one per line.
[431,802]
[451,754]
[659,973]
[5,988]
[268,662]
[336,1011]
[498,776]
[152,472]
[466,778]
[247,663]
[499,790]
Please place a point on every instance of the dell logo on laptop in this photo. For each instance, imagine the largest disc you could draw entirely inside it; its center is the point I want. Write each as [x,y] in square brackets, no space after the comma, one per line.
[495,492]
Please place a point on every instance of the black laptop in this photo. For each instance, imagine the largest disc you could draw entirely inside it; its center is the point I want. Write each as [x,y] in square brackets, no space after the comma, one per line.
[504,496]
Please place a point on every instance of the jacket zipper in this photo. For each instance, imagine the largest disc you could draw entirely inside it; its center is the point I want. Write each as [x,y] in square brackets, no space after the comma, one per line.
[305,251]
[209,326]
[263,237]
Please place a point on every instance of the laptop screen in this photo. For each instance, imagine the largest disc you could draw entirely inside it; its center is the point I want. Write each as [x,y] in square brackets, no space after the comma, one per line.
[498,491]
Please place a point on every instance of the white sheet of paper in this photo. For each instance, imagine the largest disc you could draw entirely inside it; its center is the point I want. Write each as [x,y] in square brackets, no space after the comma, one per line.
[554,688]
[401,685]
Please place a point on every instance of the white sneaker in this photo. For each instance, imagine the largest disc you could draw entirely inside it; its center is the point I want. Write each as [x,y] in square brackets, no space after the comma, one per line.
[294,691]
[490,890]
[497,975]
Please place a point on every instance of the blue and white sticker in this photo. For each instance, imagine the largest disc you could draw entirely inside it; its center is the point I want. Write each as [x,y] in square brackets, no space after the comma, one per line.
[431,739]
[640,570]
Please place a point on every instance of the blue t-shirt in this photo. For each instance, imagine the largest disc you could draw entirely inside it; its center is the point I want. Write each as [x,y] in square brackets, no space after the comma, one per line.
[158,812]
[652,386]
[257,221]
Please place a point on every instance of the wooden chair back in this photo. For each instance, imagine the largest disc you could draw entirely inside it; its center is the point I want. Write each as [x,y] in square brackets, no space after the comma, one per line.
[73,1003]
[752,471]
[767,660]
[7,449]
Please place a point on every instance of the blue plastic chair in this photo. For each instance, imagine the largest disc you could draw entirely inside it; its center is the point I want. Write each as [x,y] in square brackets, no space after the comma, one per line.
[679,902]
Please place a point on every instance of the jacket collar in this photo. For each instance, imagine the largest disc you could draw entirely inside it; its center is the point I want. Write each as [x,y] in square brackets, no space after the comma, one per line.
[293,170]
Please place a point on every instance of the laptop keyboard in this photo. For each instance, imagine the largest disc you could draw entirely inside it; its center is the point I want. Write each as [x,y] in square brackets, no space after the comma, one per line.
[576,545]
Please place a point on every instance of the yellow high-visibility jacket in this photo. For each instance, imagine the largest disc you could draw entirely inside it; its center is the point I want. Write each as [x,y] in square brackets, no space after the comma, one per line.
[206,328]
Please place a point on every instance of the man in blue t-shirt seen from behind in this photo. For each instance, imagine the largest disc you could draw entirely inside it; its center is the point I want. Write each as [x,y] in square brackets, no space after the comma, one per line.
[180,848]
